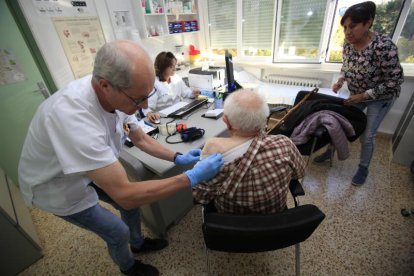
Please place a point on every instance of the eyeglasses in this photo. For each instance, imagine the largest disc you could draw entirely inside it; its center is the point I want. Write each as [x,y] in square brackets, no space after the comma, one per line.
[138,102]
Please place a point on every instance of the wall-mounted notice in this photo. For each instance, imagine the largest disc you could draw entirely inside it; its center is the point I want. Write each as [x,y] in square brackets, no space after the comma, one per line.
[9,68]
[81,38]
[63,8]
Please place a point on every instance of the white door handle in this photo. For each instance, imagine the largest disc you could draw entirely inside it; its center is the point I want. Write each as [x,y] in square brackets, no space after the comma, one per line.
[42,89]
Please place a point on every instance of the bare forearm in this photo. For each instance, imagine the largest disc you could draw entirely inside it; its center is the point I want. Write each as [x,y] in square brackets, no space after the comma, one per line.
[114,181]
[137,194]
[147,144]
[152,147]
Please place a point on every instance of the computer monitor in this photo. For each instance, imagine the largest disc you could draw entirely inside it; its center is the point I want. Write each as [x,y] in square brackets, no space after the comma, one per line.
[232,84]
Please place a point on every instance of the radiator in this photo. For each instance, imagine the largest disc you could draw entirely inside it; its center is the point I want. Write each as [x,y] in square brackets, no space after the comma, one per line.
[292,81]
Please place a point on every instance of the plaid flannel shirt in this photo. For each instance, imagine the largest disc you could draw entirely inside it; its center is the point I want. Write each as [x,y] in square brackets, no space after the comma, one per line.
[257,181]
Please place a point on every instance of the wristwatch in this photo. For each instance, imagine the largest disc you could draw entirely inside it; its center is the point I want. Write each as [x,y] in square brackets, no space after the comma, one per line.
[176,154]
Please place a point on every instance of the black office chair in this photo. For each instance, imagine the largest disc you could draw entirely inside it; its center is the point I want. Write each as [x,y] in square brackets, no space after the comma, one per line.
[316,102]
[258,233]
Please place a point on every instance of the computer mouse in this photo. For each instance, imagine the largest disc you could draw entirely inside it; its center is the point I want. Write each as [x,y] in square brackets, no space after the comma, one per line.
[157,121]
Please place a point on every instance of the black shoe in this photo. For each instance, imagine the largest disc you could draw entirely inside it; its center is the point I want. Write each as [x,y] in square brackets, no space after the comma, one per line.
[360,176]
[141,269]
[323,157]
[150,245]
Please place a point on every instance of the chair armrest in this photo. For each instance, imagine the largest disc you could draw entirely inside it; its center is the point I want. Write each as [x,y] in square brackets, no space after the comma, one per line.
[296,188]
[277,109]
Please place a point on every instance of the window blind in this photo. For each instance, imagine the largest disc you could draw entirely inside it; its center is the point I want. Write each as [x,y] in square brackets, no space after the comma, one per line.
[301,22]
[222,24]
[258,23]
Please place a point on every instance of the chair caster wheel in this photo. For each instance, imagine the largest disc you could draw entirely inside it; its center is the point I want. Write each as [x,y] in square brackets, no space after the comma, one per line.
[406,212]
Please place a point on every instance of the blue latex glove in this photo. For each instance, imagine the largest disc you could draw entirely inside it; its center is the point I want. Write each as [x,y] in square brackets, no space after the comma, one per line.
[189,158]
[205,169]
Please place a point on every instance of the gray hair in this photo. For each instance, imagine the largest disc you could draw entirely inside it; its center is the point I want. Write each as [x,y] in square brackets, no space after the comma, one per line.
[246,110]
[113,65]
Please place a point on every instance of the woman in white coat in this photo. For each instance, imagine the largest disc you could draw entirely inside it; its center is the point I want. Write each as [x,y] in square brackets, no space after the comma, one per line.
[170,87]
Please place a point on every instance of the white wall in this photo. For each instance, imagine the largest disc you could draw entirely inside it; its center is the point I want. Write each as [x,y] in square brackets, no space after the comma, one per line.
[393,117]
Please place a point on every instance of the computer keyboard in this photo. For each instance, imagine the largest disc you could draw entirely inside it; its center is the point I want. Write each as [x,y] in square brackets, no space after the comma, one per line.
[188,108]
[171,109]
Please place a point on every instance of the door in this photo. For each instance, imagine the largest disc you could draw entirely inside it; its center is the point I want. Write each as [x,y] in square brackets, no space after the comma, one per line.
[21,91]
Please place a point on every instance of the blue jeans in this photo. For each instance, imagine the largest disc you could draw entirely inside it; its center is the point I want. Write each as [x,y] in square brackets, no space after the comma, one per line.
[116,232]
[376,111]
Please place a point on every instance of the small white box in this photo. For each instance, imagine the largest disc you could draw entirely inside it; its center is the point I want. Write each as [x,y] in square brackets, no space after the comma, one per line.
[213,113]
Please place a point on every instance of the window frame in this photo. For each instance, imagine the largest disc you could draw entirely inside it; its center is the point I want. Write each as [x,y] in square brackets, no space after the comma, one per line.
[405,11]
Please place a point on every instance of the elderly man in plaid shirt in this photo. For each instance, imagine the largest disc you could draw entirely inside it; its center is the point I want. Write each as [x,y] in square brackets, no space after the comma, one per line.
[258,167]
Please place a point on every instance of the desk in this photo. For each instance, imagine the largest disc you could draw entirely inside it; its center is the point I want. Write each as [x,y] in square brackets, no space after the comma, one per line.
[141,166]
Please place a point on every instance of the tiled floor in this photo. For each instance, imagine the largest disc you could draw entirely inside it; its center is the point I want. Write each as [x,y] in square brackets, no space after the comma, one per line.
[363,232]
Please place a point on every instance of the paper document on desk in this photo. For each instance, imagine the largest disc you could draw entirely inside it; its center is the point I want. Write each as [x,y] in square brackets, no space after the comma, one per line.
[146,127]
[278,94]
[167,111]
[213,113]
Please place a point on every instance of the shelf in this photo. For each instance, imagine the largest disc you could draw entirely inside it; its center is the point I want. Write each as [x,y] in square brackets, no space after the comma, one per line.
[184,33]
[160,22]
[181,14]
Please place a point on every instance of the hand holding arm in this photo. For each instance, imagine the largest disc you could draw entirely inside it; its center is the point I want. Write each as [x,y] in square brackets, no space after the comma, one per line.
[205,169]
[338,84]
[354,99]
[189,158]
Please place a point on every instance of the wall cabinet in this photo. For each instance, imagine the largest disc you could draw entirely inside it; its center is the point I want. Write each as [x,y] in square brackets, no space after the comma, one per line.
[165,17]
[402,140]
[19,244]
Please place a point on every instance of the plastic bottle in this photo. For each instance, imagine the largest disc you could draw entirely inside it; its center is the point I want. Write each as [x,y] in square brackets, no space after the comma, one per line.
[218,102]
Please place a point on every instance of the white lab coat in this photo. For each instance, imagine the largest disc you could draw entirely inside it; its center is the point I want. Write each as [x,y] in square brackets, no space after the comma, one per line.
[167,94]
[70,134]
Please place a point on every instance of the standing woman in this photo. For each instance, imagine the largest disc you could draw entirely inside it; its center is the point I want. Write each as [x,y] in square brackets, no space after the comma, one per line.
[170,87]
[373,73]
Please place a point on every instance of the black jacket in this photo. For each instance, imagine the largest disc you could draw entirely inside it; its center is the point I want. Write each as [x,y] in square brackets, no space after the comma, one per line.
[318,102]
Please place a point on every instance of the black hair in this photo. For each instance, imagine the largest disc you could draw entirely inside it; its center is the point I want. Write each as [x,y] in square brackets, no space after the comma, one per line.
[162,62]
[360,13]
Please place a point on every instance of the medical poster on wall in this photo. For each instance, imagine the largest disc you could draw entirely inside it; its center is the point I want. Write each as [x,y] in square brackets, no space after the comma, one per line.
[10,71]
[81,38]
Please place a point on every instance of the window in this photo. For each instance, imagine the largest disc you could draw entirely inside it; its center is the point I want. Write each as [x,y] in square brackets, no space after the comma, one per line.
[257,27]
[222,26]
[385,21]
[406,40]
[300,31]
[301,23]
